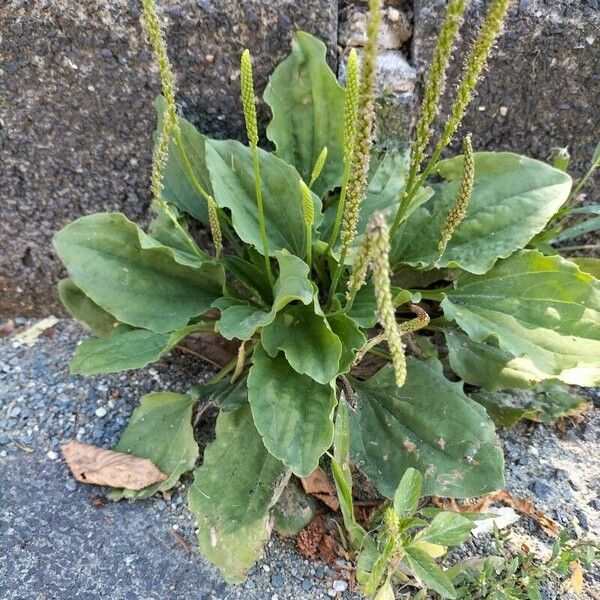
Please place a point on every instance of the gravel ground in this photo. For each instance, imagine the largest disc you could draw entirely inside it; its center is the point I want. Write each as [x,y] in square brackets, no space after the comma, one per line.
[56,544]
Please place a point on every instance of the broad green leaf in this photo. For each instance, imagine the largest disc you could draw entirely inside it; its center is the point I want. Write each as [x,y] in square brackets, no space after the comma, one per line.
[160,429]
[408,493]
[294,510]
[309,345]
[242,320]
[232,493]
[292,412]
[513,198]
[228,396]
[539,307]
[387,175]
[424,567]
[308,112]
[486,365]
[163,230]
[232,177]
[84,309]
[545,403]
[428,424]
[350,335]
[447,529]
[125,349]
[587,265]
[249,275]
[186,171]
[134,277]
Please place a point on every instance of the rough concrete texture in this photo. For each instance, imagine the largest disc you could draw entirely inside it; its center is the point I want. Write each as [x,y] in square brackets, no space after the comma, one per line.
[76,114]
[541,88]
[77,82]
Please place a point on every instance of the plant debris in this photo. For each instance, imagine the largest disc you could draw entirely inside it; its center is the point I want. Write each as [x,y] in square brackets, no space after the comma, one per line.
[320,539]
[30,335]
[317,484]
[522,505]
[90,464]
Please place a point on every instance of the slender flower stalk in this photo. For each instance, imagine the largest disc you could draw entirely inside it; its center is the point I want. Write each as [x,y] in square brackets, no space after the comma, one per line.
[380,243]
[319,164]
[474,65]
[247,85]
[436,80]
[363,139]
[459,209]
[308,214]
[350,108]
[215,228]
[170,129]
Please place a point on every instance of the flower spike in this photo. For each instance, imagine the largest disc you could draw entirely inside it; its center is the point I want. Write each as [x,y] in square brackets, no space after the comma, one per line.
[380,244]
[459,210]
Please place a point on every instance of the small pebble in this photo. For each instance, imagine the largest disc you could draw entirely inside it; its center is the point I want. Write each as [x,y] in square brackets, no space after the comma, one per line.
[582,518]
[541,489]
[266,568]
[306,584]
[561,474]
[340,585]
[101,412]
[277,581]
[52,455]
[71,485]
[4,439]
[595,504]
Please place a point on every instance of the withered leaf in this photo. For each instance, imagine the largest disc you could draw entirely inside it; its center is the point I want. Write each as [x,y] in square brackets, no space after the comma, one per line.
[317,484]
[90,464]
[522,505]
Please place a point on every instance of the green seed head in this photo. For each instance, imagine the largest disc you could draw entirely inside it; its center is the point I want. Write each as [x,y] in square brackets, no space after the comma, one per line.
[350,103]
[169,122]
[319,164]
[378,234]
[215,228]
[247,85]
[308,206]
[474,65]
[459,210]
[436,80]
[363,135]
[359,269]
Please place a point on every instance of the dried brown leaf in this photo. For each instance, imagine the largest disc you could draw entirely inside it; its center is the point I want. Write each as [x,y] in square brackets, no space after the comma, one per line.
[317,484]
[90,464]
[522,505]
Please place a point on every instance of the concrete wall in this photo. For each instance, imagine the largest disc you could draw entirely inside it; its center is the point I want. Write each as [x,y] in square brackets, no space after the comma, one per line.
[77,83]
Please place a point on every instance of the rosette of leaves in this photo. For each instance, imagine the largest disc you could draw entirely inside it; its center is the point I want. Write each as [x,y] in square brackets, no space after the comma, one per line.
[513,316]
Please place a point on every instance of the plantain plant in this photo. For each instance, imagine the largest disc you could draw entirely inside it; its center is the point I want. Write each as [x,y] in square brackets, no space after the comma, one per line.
[337,269]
